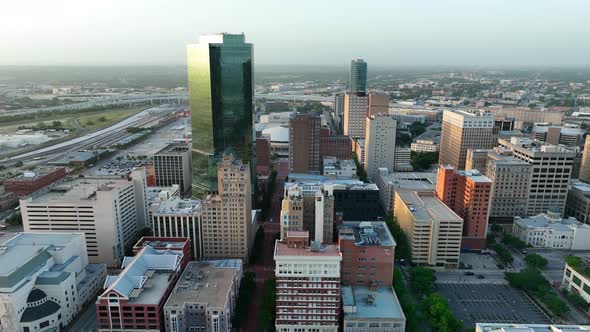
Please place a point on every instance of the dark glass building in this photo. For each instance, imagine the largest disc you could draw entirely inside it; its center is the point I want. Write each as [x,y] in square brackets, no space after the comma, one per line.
[358,76]
[220,80]
[358,202]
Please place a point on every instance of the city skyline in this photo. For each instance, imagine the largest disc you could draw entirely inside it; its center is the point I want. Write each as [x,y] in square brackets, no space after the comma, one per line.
[396,33]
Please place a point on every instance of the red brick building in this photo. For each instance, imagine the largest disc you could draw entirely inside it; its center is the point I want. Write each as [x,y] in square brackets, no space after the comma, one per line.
[304,137]
[335,146]
[134,299]
[179,244]
[31,182]
[263,156]
[467,193]
[368,250]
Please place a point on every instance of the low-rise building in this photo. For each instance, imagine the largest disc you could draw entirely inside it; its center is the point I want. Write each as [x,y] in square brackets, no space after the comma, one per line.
[173,165]
[178,217]
[403,160]
[433,229]
[31,182]
[372,309]
[513,327]
[181,245]
[575,278]
[204,297]
[425,145]
[578,202]
[549,230]
[339,169]
[134,299]
[45,281]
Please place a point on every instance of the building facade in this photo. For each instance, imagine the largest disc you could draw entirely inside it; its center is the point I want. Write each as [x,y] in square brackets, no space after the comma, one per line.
[379,144]
[434,231]
[292,211]
[304,143]
[308,286]
[221,89]
[173,165]
[177,217]
[31,182]
[390,183]
[335,146]
[467,193]
[423,145]
[355,111]
[358,76]
[578,202]
[378,103]
[461,131]
[585,166]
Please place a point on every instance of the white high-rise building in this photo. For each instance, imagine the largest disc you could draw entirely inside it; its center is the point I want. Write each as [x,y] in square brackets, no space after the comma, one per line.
[109,211]
[379,144]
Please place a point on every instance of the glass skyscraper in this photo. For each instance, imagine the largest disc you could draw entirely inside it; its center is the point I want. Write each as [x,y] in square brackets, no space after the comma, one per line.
[220,80]
[358,76]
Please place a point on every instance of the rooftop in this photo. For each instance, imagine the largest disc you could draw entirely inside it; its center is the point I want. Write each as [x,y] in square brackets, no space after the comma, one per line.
[282,249]
[474,175]
[77,189]
[532,145]
[177,206]
[162,242]
[424,178]
[32,176]
[380,303]
[207,281]
[174,149]
[508,327]
[367,233]
[425,206]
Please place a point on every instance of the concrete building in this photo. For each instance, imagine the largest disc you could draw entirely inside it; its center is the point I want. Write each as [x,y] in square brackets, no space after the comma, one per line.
[292,211]
[335,146]
[368,250]
[432,115]
[505,327]
[314,270]
[403,160]
[425,145]
[576,280]
[549,230]
[370,309]
[378,103]
[110,212]
[434,231]
[408,118]
[31,182]
[155,196]
[568,134]
[177,217]
[359,150]
[134,299]
[204,297]
[304,143]
[339,169]
[552,167]
[228,225]
[524,116]
[461,131]
[468,194]
[476,159]
[585,165]
[578,202]
[45,281]
[379,145]
[390,183]
[173,165]
[356,107]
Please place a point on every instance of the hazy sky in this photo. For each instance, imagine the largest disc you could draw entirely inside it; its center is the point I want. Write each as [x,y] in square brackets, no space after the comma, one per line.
[385,33]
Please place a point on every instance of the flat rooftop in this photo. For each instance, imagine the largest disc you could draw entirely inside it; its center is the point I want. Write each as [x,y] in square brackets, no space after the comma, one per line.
[175,149]
[426,206]
[384,305]
[77,190]
[208,281]
[411,177]
[157,242]
[33,176]
[179,206]
[367,233]
[503,327]
[282,249]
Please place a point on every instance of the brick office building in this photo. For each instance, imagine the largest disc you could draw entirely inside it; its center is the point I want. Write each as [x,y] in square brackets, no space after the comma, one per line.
[31,182]
[335,146]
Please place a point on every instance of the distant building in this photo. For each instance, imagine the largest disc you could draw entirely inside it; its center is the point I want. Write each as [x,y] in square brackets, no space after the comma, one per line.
[110,212]
[524,116]
[468,194]
[375,308]
[338,110]
[173,165]
[434,231]
[403,160]
[390,183]
[358,76]
[505,327]
[299,263]
[339,169]
[355,111]
[549,230]
[335,146]
[263,156]
[204,297]
[177,217]
[381,132]
[304,143]
[378,104]
[134,299]
[422,145]
[45,281]
[568,134]
[461,131]
[585,165]
[368,249]
[31,182]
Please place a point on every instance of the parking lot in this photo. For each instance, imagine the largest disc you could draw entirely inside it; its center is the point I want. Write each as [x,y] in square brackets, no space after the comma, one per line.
[474,303]
[477,261]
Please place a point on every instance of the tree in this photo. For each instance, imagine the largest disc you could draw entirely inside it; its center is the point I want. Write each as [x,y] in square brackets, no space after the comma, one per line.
[15,219]
[423,160]
[422,279]
[535,261]
[18,164]
[244,297]
[440,317]
[56,124]
[503,253]
[402,250]
[102,119]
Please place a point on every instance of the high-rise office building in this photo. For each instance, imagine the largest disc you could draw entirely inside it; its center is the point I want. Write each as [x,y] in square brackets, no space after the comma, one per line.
[173,165]
[467,193]
[378,103]
[338,110]
[379,144]
[315,272]
[220,79]
[552,168]
[358,76]
[356,107]
[227,215]
[304,143]
[461,131]
[585,168]
[291,211]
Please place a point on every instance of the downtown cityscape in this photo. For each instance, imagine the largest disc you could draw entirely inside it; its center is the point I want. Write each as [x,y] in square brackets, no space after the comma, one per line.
[319,189]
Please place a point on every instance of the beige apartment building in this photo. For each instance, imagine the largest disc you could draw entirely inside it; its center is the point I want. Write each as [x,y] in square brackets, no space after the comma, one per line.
[433,229]
[355,111]
[379,144]
[292,211]
[227,215]
[462,130]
